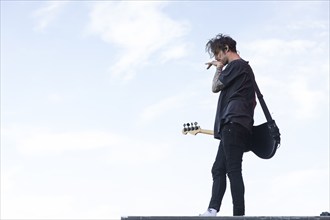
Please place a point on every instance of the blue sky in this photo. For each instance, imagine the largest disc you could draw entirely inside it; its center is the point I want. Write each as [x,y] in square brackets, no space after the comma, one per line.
[94,95]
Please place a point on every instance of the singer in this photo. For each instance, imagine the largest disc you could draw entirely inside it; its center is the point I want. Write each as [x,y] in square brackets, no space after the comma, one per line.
[233,121]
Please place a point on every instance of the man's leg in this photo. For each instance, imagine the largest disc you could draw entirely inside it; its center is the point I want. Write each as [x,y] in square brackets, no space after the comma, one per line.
[234,141]
[219,179]
[237,192]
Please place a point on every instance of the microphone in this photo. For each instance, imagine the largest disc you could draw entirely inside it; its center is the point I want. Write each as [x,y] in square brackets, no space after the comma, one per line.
[209,66]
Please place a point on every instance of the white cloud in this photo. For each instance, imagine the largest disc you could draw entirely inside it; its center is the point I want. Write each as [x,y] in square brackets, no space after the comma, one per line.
[119,152]
[54,98]
[272,51]
[288,67]
[307,100]
[7,179]
[52,142]
[173,53]
[294,184]
[311,24]
[47,14]
[17,203]
[158,109]
[289,193]
[37,207]
[119,149]
[139,29]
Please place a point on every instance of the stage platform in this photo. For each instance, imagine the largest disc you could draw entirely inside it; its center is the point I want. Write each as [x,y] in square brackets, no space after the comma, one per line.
[226,218]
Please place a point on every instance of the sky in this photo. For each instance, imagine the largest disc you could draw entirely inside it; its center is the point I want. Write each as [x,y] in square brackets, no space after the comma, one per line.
[94,95]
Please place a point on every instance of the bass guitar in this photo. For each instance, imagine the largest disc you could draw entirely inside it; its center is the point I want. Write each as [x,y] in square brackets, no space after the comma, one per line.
[261,143]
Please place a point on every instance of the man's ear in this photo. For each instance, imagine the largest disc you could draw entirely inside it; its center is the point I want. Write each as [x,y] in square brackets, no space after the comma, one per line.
[227,48]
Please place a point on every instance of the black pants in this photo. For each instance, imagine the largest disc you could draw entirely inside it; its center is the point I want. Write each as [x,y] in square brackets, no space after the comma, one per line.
[234,142]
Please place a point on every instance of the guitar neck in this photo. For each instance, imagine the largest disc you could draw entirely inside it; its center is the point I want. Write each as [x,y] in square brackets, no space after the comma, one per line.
[204,131]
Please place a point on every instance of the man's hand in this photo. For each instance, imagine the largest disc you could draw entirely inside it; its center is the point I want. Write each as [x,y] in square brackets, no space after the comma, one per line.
[216,63]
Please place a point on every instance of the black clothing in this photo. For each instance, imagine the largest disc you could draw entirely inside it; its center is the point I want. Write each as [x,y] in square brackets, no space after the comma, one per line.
[237,99]
[233,126]
[235,138]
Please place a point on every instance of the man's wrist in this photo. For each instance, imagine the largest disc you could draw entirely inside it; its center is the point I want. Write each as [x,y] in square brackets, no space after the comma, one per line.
[219,67]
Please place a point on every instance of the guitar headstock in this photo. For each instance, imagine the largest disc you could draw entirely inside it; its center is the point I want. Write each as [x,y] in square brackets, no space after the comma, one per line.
[191,128]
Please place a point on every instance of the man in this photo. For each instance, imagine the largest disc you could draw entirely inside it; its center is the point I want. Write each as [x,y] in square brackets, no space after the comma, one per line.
[233,122]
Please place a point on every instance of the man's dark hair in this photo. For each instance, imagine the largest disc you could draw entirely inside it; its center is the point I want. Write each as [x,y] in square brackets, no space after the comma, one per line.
[220,42]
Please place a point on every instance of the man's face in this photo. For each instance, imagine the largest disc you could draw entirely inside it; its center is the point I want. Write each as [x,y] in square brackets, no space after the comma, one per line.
[221,57]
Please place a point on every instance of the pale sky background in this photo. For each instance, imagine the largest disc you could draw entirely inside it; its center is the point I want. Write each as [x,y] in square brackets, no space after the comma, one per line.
[94,96]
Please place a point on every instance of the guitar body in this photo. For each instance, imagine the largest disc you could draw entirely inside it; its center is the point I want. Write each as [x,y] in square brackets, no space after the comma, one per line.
[262,144]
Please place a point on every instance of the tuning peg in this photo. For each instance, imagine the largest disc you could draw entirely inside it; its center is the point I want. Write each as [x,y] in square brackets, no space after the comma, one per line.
[188,127]
[193,126]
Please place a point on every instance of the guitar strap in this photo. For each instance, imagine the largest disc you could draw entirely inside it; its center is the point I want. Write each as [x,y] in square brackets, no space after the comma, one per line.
[261,99]
[273,129]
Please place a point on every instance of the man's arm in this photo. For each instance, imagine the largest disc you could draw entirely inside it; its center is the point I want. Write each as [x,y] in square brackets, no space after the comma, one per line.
[217,85]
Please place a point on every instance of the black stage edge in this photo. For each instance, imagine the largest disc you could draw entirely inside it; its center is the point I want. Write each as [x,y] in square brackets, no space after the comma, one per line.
[226,218]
